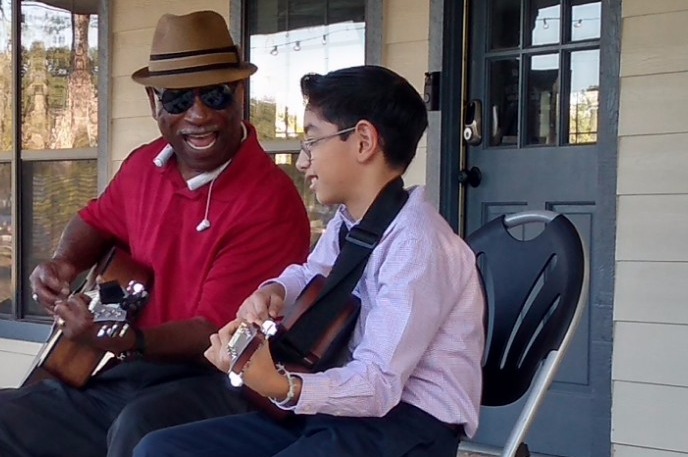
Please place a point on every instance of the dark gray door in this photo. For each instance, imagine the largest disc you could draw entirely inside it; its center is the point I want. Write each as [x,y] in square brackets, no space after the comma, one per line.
[533,99]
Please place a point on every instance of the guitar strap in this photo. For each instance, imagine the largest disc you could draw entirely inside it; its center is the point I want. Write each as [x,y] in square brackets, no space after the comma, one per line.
[348,268]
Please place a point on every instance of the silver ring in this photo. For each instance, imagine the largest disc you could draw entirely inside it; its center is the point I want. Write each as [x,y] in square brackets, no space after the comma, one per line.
[34,296]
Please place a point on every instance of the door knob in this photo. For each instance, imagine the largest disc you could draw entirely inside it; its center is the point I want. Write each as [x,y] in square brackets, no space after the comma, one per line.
[472,177]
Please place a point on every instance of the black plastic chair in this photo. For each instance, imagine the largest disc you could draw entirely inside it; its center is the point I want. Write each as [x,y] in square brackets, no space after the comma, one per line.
[536,292]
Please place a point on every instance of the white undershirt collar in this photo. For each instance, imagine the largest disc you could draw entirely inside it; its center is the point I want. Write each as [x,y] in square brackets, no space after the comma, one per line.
[197,181]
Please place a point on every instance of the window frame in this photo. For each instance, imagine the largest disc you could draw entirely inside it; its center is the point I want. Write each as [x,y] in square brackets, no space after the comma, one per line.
[373,56]
[524,52]
[373,18]
[16,325]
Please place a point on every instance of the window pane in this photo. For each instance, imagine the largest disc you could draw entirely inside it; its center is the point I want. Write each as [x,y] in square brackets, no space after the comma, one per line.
[318,213]
[289,39]
[342,11]
[59,78]
[543,100]
[504,100]
[585,19]
[6,135]
[6,89]
[56,190]
[6,256]
[583,101]
[505,21]
[305,14]
[545,22]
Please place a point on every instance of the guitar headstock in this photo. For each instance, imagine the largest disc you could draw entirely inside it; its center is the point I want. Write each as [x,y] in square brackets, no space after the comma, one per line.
[116,307]
[244,342]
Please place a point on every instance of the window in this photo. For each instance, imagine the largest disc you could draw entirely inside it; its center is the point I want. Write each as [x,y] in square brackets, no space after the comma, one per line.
[287,39]
[48,145]
[544,72]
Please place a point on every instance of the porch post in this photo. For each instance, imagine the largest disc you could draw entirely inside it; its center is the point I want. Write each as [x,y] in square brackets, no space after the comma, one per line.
[451,106]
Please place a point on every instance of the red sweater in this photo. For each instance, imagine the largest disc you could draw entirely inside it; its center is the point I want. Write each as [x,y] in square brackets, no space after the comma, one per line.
[258,227]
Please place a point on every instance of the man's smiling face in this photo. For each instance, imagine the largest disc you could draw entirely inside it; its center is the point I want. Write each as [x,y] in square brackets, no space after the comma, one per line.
[203,137]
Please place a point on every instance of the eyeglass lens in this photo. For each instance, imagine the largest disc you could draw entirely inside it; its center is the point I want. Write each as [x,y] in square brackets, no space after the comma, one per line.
[177,101]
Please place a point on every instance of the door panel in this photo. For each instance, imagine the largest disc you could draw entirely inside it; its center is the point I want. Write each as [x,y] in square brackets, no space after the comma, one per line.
[534,64]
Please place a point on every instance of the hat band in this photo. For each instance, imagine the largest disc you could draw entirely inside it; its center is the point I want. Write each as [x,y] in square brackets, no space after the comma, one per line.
[188,60]
[176,71]
[199,52]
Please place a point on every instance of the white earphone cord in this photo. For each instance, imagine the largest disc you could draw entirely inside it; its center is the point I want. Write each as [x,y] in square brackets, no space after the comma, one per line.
[205,223]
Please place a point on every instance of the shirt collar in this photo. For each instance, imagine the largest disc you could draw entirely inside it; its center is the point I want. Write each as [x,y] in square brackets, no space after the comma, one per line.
[415,192]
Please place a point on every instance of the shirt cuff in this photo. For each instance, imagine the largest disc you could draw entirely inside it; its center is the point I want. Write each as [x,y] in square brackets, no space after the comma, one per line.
[292,288]
[315,393]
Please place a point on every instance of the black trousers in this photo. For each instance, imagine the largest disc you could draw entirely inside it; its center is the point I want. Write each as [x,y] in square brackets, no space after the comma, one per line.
[115,410]
[405,431]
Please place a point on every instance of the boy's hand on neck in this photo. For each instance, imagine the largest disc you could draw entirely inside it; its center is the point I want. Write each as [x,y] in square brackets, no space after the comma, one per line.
[262,376]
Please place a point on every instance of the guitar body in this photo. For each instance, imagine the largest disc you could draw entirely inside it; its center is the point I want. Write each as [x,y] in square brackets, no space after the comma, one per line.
[65,360]
[322,355]
[72,362]
[334,339]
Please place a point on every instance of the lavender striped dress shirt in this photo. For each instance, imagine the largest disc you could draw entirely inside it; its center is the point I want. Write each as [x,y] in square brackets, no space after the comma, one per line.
[419,338]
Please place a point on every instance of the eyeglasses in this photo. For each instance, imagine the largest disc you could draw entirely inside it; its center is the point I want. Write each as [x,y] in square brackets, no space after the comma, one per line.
[177,101]
[307,145]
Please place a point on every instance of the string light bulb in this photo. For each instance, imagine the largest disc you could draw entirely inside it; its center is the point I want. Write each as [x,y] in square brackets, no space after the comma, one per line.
[274,51]
[324,39]
[545,25]
[297,46]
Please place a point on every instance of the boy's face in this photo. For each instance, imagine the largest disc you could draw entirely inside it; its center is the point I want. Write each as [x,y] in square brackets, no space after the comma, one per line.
[331,168]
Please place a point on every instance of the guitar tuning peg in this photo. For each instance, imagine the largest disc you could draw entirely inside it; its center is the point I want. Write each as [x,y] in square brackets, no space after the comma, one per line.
[235,379]
[125,327]
[135,288]
[269,328]
[101,331]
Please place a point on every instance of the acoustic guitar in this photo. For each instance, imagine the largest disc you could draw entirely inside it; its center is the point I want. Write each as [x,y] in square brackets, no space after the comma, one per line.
[116,286]
[324,354]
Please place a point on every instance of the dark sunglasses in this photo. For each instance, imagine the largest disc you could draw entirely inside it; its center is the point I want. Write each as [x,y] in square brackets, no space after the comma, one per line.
[177,101]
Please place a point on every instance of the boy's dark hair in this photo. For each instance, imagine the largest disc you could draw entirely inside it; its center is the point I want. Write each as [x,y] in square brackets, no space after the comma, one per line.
[377,95]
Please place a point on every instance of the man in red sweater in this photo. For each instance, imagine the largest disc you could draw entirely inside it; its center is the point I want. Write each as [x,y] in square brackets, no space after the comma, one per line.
[209,213]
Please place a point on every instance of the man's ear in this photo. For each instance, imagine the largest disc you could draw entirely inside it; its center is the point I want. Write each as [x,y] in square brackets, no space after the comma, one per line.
[153,102]
[368,140]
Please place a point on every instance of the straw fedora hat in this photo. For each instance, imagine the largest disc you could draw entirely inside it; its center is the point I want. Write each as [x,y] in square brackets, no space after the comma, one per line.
[193,50]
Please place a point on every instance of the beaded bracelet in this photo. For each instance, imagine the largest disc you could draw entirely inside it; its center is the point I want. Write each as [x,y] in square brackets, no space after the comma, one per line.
[292,387]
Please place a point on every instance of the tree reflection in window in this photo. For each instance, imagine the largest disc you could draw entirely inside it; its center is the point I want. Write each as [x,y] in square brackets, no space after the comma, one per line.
[318,213]
[59,97]
[59,108]
[6,257]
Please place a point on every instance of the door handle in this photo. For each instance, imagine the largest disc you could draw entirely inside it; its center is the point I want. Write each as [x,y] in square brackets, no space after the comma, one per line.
[473,123]
[472,177]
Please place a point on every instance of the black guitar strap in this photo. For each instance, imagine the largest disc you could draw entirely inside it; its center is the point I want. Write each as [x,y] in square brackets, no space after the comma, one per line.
[348,268]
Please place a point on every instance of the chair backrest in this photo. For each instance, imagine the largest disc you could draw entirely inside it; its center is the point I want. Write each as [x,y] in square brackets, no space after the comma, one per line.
[533,290]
